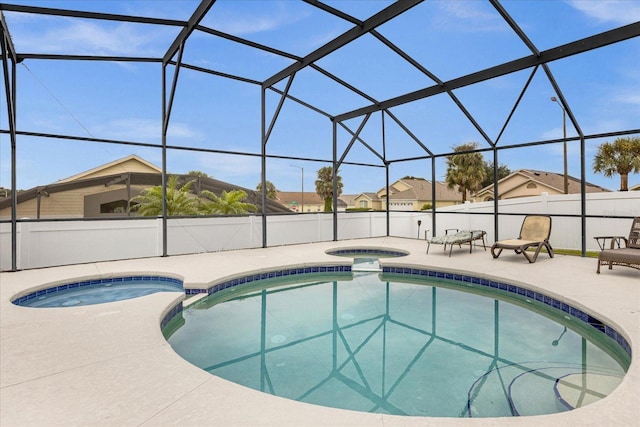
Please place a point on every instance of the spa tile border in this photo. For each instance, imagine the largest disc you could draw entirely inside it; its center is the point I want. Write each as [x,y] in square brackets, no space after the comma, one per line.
[96,282]
[269,275]
[528,293]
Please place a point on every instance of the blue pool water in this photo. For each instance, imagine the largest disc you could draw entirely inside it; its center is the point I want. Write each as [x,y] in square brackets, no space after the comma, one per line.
[99,291]
[391,344]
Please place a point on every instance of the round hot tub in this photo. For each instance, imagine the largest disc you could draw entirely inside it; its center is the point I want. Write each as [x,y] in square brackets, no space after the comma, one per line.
[98,291]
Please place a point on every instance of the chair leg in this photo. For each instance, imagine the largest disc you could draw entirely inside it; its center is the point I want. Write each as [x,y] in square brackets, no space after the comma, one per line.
[428,244]
[549,249]
[493,253]
[535,254]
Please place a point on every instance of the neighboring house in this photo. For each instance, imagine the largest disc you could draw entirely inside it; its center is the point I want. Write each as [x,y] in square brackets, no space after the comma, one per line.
[349,200]
[369,201]
[635,187]
[409,194]
[304,202]
[105,191]
[528,182]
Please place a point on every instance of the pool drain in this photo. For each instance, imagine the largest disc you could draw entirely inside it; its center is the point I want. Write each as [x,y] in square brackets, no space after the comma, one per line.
[278,339]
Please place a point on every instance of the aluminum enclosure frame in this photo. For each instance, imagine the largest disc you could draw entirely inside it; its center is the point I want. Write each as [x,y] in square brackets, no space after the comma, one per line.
[173,57]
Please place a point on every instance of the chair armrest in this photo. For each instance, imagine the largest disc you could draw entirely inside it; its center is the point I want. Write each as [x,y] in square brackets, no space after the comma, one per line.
[615,240]
[447,230]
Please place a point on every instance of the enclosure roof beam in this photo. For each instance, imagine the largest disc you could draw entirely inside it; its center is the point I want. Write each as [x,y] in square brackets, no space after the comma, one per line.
[186,31]
[7,36]
[515,27]
[90,15]
[51,56]
[376,20]
[589,43]
[246,42]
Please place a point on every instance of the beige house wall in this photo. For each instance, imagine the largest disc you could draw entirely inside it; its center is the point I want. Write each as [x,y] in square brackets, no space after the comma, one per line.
[528,190]
[517,186]
[65,204]
[370,204]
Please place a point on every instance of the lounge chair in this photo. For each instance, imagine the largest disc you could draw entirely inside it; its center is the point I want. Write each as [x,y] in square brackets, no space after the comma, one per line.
[458,237]
[628,256]
[534,233]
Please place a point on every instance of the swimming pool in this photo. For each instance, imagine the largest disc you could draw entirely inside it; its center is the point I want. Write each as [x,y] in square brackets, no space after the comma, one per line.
[404,343]
[98,291]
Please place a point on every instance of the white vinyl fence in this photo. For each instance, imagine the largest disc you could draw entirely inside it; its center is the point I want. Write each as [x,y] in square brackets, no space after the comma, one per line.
[51,243]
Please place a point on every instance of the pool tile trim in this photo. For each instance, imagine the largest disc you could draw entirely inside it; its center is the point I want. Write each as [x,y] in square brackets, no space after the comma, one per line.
[317,269]
[528,293]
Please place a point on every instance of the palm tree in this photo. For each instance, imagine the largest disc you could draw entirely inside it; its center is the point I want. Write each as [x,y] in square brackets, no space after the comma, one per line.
[324,186]
[227,203]
[272,191]
[620,157]
[179,200]
[466,171]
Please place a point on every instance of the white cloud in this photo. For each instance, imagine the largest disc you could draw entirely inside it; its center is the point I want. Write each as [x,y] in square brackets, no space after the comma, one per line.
[74,36]
[144,130]
[617,11]
[246,23]
[468,16]
[628,98]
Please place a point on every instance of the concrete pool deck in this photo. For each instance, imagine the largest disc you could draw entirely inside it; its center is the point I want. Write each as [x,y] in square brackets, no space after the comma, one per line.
[109,364]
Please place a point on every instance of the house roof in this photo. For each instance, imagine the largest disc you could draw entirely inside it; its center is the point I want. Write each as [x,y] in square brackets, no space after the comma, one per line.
[141,179]
[288,197]
[551,180]
[420,189]
[131,163]
[370,196]
[310,198]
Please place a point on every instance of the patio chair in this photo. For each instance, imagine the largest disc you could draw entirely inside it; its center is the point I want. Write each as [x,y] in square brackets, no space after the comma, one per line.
[457,237]
[534,233]
[628,256]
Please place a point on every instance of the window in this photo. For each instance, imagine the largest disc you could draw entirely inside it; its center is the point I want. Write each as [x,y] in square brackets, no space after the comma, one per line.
[119,206]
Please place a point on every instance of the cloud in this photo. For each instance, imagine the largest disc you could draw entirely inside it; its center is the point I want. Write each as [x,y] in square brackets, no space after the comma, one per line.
[243,21]
[76,36]
[468,17]
[628,98]
[617,11]
[144,130]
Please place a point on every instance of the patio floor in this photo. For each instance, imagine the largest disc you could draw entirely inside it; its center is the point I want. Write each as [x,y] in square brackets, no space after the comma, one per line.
[109,364]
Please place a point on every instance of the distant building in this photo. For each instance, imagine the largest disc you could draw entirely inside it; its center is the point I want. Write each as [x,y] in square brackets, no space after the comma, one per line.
[409,194]
[528,182]
[106,191]
[304,202]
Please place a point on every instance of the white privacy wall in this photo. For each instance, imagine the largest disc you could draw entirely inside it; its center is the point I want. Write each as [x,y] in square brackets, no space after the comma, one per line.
[51,243]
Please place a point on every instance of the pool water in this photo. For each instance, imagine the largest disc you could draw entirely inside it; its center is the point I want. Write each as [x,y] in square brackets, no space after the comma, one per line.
[428,348]
[99,291]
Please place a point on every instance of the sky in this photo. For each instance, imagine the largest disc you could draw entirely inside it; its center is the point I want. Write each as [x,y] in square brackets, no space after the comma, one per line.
[123,100]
